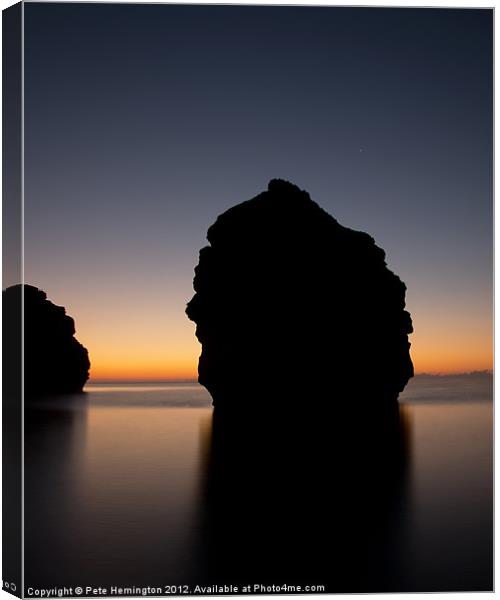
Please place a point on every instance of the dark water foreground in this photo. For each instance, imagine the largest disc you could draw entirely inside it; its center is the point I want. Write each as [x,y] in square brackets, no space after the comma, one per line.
[140,485]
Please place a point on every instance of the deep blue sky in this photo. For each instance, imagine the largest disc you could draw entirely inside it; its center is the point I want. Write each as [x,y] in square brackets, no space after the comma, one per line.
[144,122]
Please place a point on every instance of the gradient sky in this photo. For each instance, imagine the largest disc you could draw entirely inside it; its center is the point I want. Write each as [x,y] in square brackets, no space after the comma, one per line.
[144,122]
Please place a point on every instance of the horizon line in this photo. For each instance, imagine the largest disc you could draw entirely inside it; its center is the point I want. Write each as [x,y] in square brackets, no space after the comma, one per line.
[195,380]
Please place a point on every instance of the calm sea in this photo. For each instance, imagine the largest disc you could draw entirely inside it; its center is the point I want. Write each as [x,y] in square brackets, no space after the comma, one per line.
[114,485]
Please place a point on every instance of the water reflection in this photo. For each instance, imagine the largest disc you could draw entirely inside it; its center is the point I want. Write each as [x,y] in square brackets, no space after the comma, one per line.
[55,441]
[450,517]
[122,492]
[308,501]
[111,495]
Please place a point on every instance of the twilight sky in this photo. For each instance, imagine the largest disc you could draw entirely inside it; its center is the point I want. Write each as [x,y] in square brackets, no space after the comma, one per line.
[144,122]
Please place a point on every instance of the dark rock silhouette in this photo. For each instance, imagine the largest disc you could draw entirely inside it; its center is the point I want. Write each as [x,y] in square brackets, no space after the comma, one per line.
[287,299]
[54,361]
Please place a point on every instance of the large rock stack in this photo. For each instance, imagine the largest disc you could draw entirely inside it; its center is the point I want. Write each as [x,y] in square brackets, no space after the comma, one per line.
[293,309]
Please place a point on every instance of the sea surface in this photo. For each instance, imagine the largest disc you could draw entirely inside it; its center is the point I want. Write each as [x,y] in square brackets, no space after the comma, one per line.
[114,484]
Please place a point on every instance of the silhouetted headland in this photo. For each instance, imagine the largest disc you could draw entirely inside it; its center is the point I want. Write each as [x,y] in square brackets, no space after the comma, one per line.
[54,361]
[287,299]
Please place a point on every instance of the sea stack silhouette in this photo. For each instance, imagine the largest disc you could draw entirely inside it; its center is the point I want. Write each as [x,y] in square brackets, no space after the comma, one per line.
[54,361]
[290,302]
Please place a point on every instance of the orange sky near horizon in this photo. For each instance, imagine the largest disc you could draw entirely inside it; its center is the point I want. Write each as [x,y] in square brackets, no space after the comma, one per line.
[132,335]
[439,360]
[145,351]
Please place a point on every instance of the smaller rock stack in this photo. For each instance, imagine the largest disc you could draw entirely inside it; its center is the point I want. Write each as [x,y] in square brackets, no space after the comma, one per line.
[54,361]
